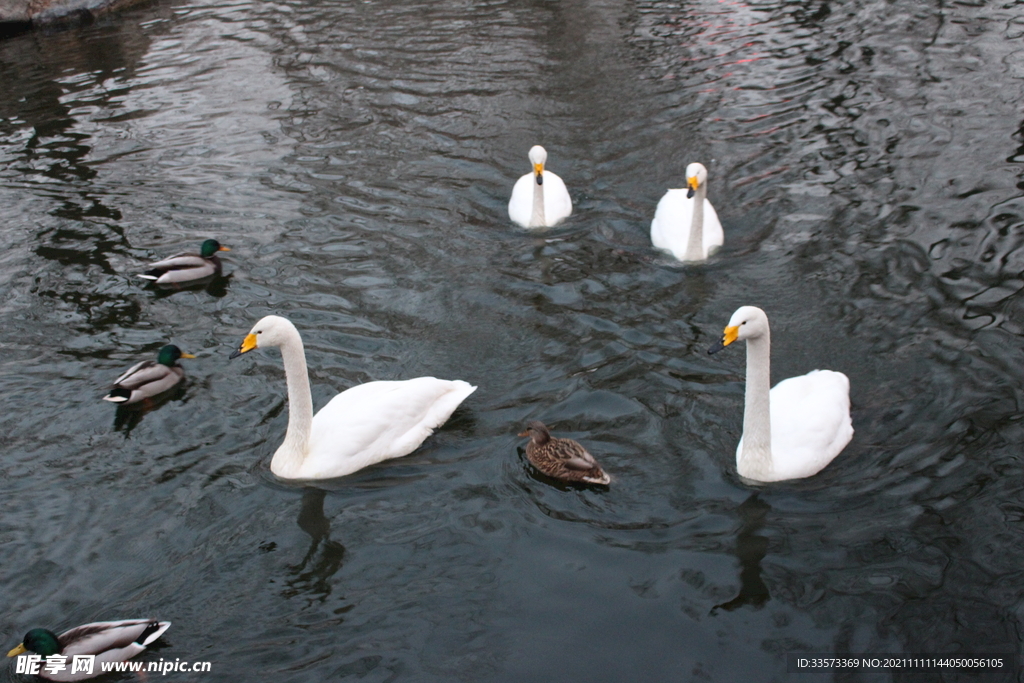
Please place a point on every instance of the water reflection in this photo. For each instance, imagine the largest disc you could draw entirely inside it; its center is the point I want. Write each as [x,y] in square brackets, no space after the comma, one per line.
[50,155]
[62,64]
[312,575]
[861,173]
[127,418]
[750,549]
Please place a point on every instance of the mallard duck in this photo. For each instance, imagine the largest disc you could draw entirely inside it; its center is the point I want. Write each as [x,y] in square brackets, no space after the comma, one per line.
[539,199]
[109,641]
[149,378]
[563,459]
[184,268]
[687,225]
[797,428]
[360,426]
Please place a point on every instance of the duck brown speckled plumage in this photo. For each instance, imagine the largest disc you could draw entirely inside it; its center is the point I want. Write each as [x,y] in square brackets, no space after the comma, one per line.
[562,459]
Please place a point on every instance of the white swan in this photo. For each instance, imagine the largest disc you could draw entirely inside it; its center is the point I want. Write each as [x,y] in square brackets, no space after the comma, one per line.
[360,426]
[687,226]
[798,427]
[539,199]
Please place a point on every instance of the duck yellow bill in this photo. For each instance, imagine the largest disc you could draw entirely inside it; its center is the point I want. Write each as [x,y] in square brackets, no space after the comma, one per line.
[224,249]
[730,335]
[248,344]
[17,651]
[187,355]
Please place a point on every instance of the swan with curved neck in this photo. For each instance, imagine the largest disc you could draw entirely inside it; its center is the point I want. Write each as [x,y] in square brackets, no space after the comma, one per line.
[359,427]
[797,427]
[539,199]
[685,223]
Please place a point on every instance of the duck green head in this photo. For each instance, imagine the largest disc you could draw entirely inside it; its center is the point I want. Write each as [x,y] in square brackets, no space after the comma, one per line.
[38,640]
[170,354]
[211,247]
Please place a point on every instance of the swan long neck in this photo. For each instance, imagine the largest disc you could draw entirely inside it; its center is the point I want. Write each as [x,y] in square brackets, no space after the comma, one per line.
[293,450]
[695,244]
[537,216]
[757,423]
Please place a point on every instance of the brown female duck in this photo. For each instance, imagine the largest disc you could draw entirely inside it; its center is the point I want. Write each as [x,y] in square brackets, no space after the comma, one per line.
[562,459]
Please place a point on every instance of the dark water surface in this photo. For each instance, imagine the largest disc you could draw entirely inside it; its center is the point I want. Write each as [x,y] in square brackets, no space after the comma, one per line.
[866,158]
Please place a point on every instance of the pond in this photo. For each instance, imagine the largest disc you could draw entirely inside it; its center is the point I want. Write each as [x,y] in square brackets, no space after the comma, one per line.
[866,159]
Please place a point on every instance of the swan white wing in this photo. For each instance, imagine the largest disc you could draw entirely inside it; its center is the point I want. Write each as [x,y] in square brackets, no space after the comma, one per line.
[557,203]
[810,418]
[377,421]
[714,236]
[520,206]
[670,229]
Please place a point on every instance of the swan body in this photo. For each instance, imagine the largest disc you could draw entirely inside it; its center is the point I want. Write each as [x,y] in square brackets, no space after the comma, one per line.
[109,641]
[187,268]
[539,199]
[799,426]
[685,223]
[359,427]
[563,459]
[149,378]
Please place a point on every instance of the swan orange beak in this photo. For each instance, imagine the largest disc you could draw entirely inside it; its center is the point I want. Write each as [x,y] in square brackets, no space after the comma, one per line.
[247,345]
[731,334]
[692,183]
[538,170]
[17,651]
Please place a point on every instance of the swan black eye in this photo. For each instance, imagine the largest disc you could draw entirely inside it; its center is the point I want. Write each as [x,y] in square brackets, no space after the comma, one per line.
[743,323]
[259,331]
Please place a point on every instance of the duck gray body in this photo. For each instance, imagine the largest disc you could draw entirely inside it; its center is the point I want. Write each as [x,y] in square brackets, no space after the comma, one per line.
[149,378]
[109,641]
[186,267]
[563,459]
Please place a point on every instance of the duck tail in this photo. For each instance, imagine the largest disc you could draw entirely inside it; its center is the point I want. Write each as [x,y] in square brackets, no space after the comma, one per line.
[118,395]
[153,630]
